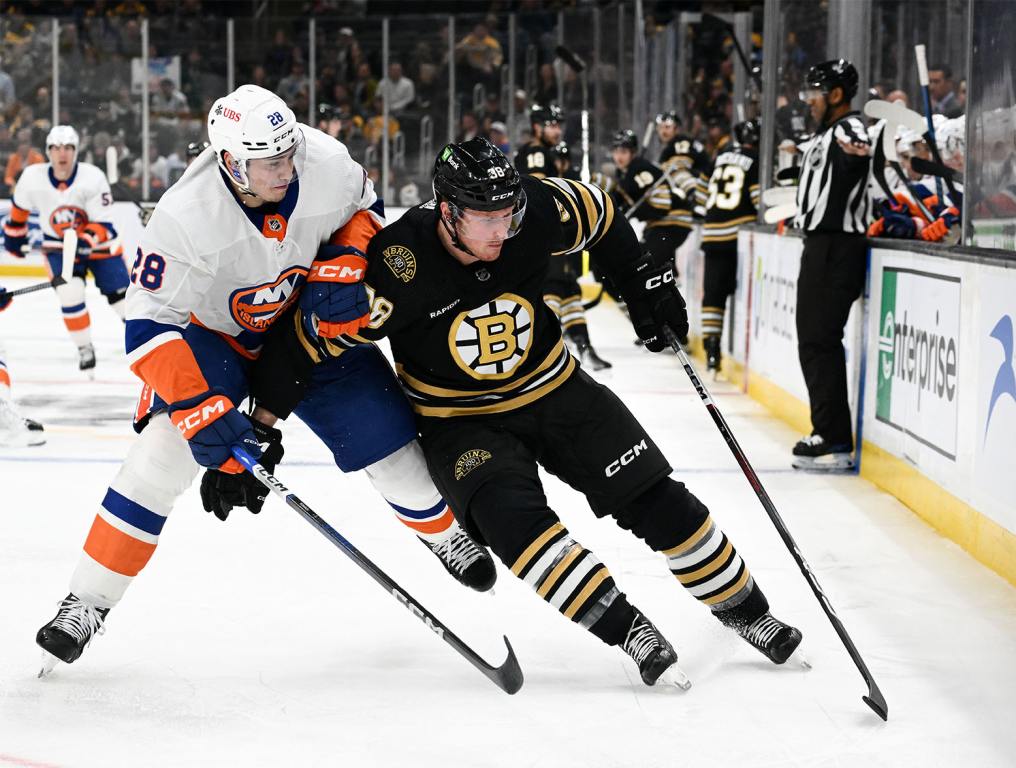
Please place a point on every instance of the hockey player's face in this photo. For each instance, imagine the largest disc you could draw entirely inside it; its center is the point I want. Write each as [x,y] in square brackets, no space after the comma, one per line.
[62,158]
[551,134]
[666,130]
[271,177]
[622,157]
[482,232]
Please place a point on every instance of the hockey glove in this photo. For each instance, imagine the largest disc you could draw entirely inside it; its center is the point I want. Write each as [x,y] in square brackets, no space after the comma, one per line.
[334,300]
[212,427]
[5,299]
[654,304]
[220,492]
[15,238]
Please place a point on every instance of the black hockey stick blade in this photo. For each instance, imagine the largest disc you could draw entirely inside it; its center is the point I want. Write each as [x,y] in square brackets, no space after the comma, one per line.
[507,676]
[789,174]
[931,168]
[874,699]
[570,58]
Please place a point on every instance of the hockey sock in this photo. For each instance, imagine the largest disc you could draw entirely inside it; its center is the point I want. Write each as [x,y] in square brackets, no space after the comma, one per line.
[118,303]
[404,481]
[572,314]
[125,532]
[75,314]
[712,321]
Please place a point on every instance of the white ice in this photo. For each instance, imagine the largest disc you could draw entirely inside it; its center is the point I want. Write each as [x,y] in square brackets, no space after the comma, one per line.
[255,642]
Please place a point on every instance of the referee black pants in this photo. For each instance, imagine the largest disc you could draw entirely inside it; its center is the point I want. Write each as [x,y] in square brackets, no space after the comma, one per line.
[832,276]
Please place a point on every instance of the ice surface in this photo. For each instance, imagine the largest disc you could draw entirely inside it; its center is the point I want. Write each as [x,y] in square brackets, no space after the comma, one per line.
[256,643]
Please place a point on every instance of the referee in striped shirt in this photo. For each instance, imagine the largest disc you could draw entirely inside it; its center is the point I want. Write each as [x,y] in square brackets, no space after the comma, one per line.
[834,212]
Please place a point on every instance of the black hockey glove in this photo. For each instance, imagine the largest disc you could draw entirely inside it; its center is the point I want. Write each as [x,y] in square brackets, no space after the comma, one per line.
[220,491]
[654,303]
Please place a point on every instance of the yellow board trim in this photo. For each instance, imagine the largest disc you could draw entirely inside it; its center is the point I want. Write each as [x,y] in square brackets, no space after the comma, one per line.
[988,542]
[22,270]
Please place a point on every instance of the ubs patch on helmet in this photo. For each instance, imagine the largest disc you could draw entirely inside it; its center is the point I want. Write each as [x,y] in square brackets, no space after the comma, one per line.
[401,261]
[469,461]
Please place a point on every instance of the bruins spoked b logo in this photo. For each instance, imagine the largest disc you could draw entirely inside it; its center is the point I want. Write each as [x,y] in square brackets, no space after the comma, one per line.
[492,340]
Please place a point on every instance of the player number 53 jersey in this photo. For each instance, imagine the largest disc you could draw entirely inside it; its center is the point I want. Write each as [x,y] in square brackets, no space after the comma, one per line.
[733,195]
[63,205]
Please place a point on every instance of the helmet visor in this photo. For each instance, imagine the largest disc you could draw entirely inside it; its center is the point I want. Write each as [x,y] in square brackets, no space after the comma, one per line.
[490,226]
[811,92]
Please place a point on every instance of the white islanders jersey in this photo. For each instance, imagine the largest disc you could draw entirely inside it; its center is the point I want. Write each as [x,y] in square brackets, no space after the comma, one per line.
[206,258]
[63,205]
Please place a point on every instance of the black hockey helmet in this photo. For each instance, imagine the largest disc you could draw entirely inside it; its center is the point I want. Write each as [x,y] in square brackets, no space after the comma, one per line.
[836,73]
[748,132]
[562,151]
[327,112]
[542,115]
[625,139]
[475,174]
[670,116]
[195,148]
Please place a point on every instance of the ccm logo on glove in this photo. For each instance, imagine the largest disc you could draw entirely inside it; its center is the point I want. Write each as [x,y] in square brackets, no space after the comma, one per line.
[344,269]
[657,280]
[189,422]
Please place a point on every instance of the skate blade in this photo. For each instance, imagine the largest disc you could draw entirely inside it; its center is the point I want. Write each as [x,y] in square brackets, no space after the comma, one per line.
[675,676]
[798,658]
[49,662]
[824,464]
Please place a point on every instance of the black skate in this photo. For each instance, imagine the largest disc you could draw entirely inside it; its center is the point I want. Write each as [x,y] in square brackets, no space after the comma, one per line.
[589,359]
[814,454]
[774,639]
[467,562]
[655,657]
[69,633]
[711,344]
[86,357]
[16,430]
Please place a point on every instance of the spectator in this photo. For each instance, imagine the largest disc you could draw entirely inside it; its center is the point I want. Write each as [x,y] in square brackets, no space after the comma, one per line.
[373,128]
[259,76]
[469,127]
[481,54]
[24,156]
[7,95]
[546,89]
[277,57]
[961,96]
[292,85]
[398,90]
[900,96]
[499,137]
[346,50]
[168,103]
[364,88]
[941,90]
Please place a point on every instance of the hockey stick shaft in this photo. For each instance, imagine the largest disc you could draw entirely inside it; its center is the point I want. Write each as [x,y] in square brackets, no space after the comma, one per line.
[69,254]
[920,54]
[507,677]
[874,699]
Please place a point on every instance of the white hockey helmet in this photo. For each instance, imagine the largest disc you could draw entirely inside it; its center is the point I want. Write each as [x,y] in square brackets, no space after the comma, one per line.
[62,135]
[251,123]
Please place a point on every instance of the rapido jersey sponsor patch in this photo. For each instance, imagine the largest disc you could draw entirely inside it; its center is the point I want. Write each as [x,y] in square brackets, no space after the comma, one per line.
[401,261]
[469,461]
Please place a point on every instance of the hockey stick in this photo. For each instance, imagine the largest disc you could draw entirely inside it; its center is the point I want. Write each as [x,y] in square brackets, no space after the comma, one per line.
[752,74]
[922,76]
[507,677]
[578,66]
[70,252]
[931,168]
[874,699]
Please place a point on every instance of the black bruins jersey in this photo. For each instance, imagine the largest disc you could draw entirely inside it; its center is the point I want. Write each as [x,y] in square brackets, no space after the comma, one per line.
[474,339]
[733,195]
[684,153]
[665,206]
[536,159]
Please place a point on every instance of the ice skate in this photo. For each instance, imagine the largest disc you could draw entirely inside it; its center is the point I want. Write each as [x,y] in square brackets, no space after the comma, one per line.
[69,633]
[592,361]
[771,637]
[711,344]
[17,431]
[814,454]
[468,562]
[656,658]
[86,359]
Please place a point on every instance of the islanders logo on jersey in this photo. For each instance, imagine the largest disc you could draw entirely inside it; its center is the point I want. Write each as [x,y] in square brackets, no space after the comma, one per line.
[255,308]
[492,340]
[67,217]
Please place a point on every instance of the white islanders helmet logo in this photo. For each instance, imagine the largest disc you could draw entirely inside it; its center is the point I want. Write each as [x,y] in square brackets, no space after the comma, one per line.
[492,340]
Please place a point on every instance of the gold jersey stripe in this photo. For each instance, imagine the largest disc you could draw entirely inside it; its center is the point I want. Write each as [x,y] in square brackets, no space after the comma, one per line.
[692,540]
[535,547]
[724,224]
[508,404]
[601,576]
[731,591]
[310,349]
[714,565]
[429,389]
[561,567]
